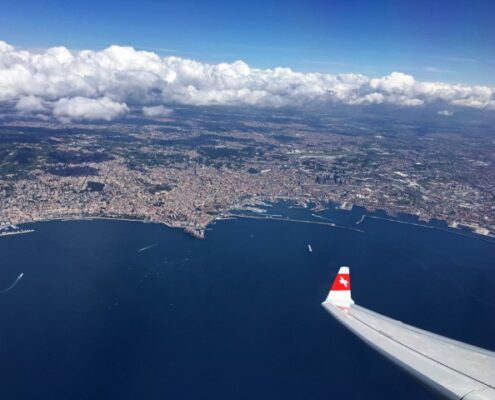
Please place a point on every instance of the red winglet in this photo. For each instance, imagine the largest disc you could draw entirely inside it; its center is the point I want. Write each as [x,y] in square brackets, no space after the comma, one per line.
[342,281]
[340,293]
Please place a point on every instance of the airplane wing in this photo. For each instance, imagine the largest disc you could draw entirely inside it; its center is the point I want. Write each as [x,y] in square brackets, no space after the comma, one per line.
[455,369]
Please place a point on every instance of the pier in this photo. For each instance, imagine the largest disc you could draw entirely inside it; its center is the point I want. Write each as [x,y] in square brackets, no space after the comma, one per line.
[301,221]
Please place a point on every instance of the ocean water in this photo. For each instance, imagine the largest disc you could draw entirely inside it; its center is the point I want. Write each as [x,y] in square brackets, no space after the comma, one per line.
[235,316]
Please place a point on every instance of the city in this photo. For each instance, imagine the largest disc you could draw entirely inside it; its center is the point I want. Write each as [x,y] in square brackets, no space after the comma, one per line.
[186,174]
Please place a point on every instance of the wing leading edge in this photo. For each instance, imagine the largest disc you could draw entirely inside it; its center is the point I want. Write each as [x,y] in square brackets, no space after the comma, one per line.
[454,369]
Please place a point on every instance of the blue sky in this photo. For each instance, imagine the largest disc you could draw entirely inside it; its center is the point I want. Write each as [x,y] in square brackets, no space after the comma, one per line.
[451,41]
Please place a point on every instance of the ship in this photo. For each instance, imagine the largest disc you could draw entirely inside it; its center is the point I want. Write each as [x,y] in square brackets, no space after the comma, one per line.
[310,249]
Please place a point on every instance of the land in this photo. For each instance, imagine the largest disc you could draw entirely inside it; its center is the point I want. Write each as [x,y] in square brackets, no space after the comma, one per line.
[196,165]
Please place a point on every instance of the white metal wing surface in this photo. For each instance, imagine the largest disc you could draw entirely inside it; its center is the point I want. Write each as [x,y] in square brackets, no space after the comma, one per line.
[455,369]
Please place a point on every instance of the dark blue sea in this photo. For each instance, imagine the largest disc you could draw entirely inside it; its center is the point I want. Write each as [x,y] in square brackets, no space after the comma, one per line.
[235,316]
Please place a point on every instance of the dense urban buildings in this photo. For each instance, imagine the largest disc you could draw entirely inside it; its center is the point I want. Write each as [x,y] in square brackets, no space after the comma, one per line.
[194,166]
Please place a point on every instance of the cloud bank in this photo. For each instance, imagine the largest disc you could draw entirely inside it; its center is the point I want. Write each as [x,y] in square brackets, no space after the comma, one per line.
[100,85]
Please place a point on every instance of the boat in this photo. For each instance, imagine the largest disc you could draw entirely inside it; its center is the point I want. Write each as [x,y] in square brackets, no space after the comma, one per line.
[310,249]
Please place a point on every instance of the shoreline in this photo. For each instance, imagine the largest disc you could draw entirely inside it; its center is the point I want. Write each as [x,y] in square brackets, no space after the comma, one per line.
[455,231]
[199,231]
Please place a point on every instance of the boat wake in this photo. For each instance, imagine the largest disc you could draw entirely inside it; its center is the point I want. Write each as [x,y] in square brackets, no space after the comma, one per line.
[147,247]
[13,285]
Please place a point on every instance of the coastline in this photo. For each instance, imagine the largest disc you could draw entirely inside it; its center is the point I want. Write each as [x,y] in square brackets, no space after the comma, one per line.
[198,231]
[448,229]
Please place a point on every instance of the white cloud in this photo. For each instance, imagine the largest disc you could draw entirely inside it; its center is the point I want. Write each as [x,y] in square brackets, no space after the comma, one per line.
[83,108]
[156,111]
[445,113]
[90,84]
[30,104]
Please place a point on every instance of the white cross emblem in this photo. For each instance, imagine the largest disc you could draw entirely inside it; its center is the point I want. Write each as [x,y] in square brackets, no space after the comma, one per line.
[343,281]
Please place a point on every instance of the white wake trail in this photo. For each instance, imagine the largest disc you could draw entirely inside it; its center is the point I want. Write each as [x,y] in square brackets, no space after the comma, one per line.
[147,247]
[13,285]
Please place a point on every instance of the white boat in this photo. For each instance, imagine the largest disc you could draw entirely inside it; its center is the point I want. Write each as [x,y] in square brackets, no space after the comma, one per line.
[310,249]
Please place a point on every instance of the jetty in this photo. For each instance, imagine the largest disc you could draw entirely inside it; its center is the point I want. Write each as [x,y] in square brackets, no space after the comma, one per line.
[300,221]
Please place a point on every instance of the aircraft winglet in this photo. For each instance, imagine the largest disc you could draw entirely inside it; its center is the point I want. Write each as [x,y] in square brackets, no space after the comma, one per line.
[340,293]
